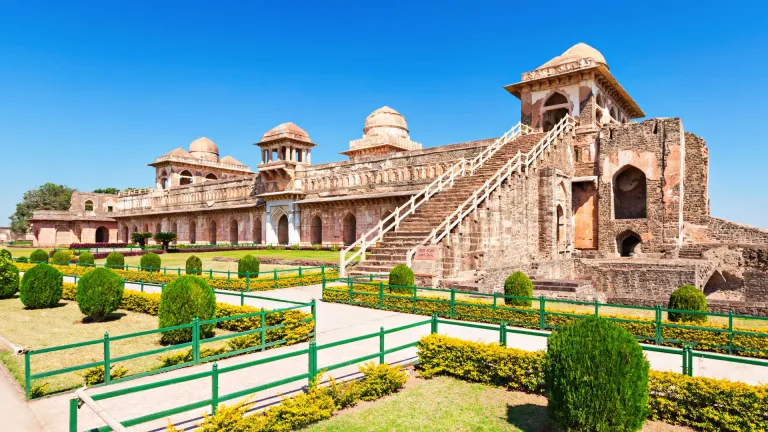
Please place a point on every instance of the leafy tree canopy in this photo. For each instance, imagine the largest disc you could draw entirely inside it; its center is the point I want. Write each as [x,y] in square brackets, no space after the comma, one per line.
[49,196]
[109,190]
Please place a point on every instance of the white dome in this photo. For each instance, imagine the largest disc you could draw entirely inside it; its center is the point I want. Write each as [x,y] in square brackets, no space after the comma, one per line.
[386,121]
[575,53]
[204,148]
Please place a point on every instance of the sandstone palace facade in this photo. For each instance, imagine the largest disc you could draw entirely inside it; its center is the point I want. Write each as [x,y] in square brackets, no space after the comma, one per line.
[588,201]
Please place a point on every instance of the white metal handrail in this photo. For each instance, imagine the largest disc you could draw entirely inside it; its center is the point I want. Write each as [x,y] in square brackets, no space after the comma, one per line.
[519,162]
[444,180]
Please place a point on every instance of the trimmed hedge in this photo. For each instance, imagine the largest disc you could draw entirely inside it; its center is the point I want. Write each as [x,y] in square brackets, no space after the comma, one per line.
[247,266]
[150,261]
[38,256]
[687,297]
[9,279]
[518,284]
[41,287]
[61,257]
[99,293]
[597,378]
[401,275]
[181,301]
[5,253]
[85,259]
[115,260]
[713,340]
[194,265]
[703,403]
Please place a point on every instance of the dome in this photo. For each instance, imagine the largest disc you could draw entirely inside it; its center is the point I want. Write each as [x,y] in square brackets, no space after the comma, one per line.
[575,53]
[204,148]
[386,121]
[230,160]
[286,130]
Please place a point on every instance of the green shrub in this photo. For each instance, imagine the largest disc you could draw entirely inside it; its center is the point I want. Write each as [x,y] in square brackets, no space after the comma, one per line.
[345,394]
[85,259]
[194,265]
[401,275]
[333,248]
[99,293]
[295,247]
[41,287]
[22,259]
[687,297]
[317,247]
[38,256]
[116,260]
[150,261]
[95,375]
[181,301]
[248,265]
[61,257]
[381,380]
[5,253]
[9,278]
[518,284]
[597,378]
[165,238]
[140,238]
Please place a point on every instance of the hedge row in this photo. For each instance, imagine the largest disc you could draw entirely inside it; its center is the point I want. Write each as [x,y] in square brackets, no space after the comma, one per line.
[234,284]
[703,403]
[474,310]
[294,331]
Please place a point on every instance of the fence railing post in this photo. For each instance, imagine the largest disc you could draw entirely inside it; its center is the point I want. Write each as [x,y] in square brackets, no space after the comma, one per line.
[453,302]
[27,374]
[381,294]
[493,317]
[242,298]
[690,360]
[658,339]
[349,285]
[107,365]
[214,388]
[313,308]
[263,323]
[73,404]
[542,313]
[597,308]
[433,328]
[275,273]
[248,281]
[730,331]
[685,359]
[196,340]
[301,277]
[381,345]
[312,362]
[503,335]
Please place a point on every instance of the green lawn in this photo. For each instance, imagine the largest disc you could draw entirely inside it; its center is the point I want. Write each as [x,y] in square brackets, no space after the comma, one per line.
[22,251]
[64,325]
[447,404]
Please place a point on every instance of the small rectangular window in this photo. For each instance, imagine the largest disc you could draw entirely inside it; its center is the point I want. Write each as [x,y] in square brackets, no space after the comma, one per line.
[109,208]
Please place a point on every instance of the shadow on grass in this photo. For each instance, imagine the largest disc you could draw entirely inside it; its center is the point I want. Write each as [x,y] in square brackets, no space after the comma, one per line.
[530,418]
[114,316]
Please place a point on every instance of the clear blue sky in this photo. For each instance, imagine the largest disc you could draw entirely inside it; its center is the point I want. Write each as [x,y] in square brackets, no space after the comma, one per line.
[90,92]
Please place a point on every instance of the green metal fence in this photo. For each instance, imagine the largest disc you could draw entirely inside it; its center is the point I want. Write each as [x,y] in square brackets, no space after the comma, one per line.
[686,353]
[201,247]
[444,303]
[108,360]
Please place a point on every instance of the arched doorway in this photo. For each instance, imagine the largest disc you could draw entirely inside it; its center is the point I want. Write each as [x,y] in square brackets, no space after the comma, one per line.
[233,235]
[561,234]
[257,230]
[212,232]
[282,230]
[158,228]
[316,230]
[556,107]
[192,232]
[628,243]
[126,238]
[175,230]
[211,176]
[102,235]
[185,178]
[349,229]
[724,286]
[629,194]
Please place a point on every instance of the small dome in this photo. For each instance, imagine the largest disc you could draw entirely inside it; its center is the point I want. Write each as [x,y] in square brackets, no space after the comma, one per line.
[286,130]
[386,121]
[204,148]
[230,160]
[577,52]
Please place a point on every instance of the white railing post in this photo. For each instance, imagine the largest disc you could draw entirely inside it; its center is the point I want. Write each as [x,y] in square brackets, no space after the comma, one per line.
[342,264]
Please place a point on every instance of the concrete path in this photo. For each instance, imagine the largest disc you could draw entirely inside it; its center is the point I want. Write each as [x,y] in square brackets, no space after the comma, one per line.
[335,322]
[14,412]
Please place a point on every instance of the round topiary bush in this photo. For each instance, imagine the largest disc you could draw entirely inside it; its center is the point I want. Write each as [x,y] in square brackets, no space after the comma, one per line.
[401,275]
[22,259]
[38,256]
[150,261]
[518,284]
[596,377]
[687,297]
[248,266]
[116,260]
[182,300]
[41,287]
[61,257]
[5,253]
[99,293]
[85,259]
[9,278]
[194,265]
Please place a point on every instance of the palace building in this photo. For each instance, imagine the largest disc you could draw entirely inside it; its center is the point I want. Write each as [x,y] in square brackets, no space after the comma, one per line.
[580,195]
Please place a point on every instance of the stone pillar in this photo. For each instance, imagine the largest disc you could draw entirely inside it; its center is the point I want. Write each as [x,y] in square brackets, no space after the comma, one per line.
[294,224]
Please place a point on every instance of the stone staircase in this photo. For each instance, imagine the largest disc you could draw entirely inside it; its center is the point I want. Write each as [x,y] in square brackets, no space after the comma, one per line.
[570,289]
[394,245]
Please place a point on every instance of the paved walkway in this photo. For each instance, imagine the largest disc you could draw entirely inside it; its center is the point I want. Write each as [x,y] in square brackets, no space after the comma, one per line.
[335,322]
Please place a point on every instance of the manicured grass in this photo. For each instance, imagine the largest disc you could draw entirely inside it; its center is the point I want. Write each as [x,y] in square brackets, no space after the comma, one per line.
[65,324]
[447,404]
[22,251]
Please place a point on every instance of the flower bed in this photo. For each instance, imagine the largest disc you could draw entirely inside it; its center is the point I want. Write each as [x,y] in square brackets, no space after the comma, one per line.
[98,245]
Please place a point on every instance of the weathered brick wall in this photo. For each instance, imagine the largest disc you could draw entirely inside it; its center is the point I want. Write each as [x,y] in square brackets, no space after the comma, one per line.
[696,199]
[731,232]
[640,279]
[367,214]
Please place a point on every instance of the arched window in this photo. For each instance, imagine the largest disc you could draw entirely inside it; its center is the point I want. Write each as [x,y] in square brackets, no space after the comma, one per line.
[211,176]
[158,228]
[126,236]
[556,107]
[192,232]
[212,232]
[629,194]
[233,232]
[185,178]
[628,243]
[316,230]
[102,235]
[257,231]
[282,230]
[349,229]
[89,205]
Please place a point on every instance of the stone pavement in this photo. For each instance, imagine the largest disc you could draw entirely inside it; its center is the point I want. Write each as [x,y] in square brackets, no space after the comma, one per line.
[335,322]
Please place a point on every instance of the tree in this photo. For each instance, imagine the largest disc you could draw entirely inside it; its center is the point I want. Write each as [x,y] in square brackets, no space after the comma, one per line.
[165,238]
[109,190]
[141,238]
[49,196]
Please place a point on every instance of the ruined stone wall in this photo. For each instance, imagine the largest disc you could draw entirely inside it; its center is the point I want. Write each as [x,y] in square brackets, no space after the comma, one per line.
[696,203]
[636,279]
[725,231]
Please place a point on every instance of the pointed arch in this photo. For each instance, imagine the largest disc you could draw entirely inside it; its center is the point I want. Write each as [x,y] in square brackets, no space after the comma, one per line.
[192,231]
[212,232]
[102,235]
[233,232]
[628,243]
[629,193]
[316,230]
[257,230]
[349,228]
